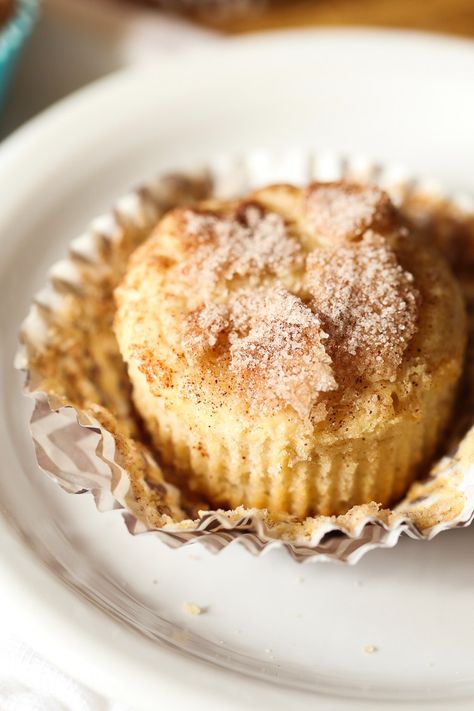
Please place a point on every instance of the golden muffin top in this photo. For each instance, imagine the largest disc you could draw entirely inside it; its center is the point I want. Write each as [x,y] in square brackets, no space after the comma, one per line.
[288,297]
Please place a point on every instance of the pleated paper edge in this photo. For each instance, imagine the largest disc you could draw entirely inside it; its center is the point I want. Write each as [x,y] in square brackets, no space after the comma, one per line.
[216,530]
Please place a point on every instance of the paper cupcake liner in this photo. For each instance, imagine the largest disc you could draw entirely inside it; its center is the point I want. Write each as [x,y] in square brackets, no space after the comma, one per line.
[88,438]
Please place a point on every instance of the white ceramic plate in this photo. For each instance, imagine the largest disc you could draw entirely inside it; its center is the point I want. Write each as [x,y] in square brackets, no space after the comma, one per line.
[107,607]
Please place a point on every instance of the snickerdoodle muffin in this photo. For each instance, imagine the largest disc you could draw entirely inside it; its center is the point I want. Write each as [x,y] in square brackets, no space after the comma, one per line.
[296,349]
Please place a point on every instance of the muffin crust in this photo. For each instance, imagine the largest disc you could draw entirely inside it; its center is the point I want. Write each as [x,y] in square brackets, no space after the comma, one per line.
[295,349]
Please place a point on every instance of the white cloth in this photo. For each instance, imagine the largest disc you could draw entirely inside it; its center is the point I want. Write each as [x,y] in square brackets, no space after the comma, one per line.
[30,683]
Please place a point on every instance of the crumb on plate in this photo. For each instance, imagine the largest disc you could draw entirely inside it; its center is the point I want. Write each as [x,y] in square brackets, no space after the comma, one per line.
[370,649]
[192,609]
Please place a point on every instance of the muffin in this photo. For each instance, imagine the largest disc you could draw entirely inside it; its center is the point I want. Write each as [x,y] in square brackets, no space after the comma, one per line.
[297,350]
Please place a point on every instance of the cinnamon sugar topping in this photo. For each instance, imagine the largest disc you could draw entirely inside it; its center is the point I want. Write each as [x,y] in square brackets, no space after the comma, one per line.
[275,343]
[341,212]
[351,315]
[225,247]
[203,328]
[278,342]
[366,302]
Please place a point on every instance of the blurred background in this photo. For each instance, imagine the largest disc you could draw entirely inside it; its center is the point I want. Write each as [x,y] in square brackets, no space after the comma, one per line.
[64,44]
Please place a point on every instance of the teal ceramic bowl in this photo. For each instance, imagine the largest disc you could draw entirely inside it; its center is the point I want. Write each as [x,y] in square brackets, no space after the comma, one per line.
[12,38]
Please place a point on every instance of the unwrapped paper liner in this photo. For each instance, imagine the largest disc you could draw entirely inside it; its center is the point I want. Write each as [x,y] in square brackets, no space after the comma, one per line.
[85,431]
